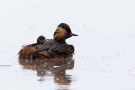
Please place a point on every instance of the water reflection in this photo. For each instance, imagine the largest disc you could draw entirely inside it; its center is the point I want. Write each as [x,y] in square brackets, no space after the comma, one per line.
[50,67]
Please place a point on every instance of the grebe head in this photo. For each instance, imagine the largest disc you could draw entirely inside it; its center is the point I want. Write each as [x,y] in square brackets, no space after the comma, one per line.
[63,32]
[41,39]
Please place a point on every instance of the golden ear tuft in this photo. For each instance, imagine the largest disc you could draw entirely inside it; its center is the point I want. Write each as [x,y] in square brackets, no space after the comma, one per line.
[60,32]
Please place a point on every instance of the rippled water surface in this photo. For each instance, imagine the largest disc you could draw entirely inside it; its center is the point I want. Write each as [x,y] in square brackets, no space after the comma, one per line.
[104,56]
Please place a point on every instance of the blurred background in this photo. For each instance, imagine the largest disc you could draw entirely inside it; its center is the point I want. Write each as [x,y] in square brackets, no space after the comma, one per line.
[104,50]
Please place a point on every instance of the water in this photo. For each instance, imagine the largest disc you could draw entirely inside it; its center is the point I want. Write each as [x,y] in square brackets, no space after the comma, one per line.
[104,50]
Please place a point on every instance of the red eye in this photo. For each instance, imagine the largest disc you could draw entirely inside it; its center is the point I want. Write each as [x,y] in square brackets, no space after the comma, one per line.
[66,32]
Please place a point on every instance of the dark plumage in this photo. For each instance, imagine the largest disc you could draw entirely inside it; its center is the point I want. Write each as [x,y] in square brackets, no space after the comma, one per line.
[58,45]
[40,40]
[53,47]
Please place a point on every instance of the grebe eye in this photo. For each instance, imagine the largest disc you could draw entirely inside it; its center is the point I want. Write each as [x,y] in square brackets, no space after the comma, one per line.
[66,32]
